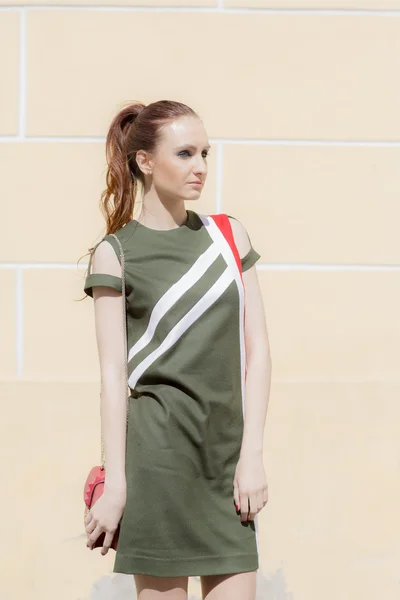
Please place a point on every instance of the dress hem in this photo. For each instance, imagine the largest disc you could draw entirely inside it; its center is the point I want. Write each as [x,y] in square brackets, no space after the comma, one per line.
[190,567]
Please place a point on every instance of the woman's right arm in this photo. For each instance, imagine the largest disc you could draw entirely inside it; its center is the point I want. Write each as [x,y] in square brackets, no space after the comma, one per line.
[105,282]
[110,332]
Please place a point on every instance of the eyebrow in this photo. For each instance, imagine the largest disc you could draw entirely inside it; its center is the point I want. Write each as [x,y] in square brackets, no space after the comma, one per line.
[191,147]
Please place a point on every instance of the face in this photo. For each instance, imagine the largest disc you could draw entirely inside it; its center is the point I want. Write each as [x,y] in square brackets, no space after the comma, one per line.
[180,160]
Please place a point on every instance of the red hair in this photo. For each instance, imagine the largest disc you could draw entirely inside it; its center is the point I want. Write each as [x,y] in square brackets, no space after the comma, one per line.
[136,127]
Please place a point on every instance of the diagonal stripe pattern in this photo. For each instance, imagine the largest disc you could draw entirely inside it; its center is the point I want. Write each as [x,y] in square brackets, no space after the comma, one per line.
[191,316]
[175,292]
[219,247]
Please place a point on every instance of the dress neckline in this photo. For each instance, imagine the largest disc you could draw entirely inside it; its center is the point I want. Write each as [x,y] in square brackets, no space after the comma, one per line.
[191,219]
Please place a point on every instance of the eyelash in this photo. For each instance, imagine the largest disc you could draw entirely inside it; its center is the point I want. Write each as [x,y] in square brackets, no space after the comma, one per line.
[207,153]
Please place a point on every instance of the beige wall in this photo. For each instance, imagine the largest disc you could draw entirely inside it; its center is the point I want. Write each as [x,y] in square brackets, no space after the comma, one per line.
[302,109]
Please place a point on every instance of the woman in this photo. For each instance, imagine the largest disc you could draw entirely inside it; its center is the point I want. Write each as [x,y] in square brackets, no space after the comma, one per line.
[186,479]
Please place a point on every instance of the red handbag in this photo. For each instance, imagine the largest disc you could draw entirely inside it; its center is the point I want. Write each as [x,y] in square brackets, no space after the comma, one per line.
[94,484]
[93,489]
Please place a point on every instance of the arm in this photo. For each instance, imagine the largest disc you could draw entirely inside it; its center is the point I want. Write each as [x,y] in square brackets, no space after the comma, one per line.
[251,476]
[110,330]
[259,365]
[258,376]
[104,284]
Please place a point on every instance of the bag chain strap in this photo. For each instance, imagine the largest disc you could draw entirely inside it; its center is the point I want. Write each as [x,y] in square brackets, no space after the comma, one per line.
[125,345]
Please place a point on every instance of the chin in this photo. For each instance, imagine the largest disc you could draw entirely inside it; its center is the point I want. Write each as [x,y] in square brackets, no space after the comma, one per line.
[194,195]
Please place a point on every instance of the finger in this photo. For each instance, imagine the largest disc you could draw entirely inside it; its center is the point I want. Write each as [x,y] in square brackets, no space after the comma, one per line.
[88,517]
[244,506]
[91,526]
[93,536]
[265,495]
[260,503]
[236,498]
[252,507]
[107,542]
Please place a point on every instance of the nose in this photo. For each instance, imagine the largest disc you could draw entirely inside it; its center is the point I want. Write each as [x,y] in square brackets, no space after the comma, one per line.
[200,167]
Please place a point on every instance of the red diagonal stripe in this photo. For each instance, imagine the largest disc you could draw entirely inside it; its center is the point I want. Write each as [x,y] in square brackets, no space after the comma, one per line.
[224,224]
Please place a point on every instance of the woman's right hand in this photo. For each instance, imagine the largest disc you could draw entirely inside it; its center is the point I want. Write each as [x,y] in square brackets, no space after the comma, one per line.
[104,516]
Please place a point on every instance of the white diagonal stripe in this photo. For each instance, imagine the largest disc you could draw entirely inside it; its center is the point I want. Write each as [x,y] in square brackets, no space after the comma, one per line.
[215,291]
[218,237]
[172,295]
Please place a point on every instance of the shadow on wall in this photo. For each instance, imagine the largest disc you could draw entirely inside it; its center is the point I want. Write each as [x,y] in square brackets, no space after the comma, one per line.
[121,587]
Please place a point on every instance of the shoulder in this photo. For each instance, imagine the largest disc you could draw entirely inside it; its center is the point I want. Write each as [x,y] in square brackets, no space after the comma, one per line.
[240,235]
[105,256]
[239,232]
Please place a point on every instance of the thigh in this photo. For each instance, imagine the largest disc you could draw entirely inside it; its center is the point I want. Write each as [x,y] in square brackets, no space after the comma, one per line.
[161,588]
[236,586]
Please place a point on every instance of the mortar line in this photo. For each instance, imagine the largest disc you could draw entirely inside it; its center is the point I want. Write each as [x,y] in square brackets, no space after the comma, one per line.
[263,266]
[19,321]
[220,159]
[390,12]
[22,76]
[232,141]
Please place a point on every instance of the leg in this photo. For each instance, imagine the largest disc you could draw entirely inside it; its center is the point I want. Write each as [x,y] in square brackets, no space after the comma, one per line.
[161,588]
[236,586]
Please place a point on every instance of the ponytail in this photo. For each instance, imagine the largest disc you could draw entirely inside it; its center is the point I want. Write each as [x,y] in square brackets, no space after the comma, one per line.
[123,178]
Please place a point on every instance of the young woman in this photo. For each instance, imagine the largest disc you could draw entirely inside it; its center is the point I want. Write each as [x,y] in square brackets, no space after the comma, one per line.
[185,479]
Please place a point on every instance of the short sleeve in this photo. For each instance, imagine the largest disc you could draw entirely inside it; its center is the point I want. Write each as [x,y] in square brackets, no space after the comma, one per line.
[251,257]
[101,279]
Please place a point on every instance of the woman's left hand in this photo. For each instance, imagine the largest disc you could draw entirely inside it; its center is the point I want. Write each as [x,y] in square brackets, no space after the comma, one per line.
[250,488]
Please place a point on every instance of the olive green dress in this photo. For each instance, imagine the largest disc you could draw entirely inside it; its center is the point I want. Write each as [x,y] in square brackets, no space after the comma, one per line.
[186,367]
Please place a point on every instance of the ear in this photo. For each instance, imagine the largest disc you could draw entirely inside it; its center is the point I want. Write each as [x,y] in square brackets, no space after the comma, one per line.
[144,162]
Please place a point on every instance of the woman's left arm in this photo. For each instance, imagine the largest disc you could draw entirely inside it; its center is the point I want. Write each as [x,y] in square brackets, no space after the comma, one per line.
[250,485]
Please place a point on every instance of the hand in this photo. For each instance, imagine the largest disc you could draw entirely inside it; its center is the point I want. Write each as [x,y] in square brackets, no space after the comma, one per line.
[250,488]
[104,516]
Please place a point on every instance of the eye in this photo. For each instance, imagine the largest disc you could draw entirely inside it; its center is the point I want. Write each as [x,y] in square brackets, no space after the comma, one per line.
[205,153]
